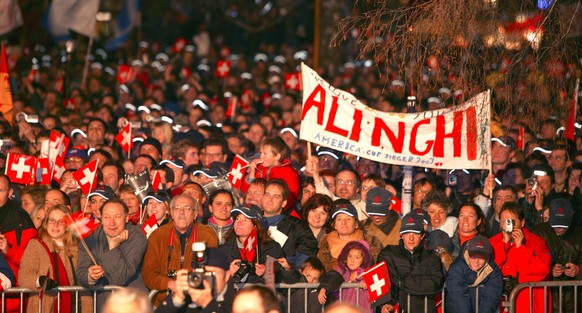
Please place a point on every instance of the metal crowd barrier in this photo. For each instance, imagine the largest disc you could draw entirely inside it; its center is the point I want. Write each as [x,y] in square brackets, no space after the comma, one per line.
[547,287]
[78,291]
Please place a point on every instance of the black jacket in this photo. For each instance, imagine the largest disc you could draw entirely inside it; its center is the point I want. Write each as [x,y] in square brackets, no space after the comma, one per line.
[223,305]
[419,274]
[300,243]
[230,249]
[564,249]
[297,301]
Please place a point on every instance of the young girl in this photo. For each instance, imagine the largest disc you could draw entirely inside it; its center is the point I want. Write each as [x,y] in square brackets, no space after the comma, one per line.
[353,260]
[274,163]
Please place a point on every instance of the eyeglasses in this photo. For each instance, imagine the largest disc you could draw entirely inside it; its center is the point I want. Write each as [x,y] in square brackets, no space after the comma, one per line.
[52,221]
[185,208]
[345,182]
[366,188]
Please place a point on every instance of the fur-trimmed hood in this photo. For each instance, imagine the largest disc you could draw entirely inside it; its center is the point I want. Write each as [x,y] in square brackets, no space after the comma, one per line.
[360,245]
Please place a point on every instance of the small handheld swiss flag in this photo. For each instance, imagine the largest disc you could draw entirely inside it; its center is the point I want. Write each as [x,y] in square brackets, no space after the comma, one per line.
[19,168]
[237,171]
[157,182]
[293,81]
[377,280]
[58,169]
[232,104]
[223,69]
[86,177]
[58,145]
[124,138]
[150,225]
[82,225]
[42,173]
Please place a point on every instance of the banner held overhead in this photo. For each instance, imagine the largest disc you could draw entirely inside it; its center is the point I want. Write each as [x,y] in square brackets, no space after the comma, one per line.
[452,138]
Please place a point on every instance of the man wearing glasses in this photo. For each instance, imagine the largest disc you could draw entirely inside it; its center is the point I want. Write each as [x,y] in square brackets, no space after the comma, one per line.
[169,247]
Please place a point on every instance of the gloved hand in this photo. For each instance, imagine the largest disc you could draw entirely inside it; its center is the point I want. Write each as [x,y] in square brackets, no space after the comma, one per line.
[50,284]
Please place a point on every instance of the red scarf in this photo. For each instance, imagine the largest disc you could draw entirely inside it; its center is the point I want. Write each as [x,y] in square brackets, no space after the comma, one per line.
[62,279]
[249,250]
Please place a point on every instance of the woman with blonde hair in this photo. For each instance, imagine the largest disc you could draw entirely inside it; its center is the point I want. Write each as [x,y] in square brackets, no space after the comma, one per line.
[50,259]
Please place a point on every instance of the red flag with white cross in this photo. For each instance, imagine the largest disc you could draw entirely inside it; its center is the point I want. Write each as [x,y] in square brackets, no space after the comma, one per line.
[58,145]
[150,225]
[157,182]
[223,69]
[20,167]
[42,172]
[86,177]
[124,138]
[237,171]
[58,169]
[293,81]
[82,224]
[377,280]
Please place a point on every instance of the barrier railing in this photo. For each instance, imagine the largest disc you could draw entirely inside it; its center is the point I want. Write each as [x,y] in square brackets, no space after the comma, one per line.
[78,291]
[547,287]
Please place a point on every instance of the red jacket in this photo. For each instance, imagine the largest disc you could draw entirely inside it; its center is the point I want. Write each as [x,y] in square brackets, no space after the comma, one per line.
[283,171]
[530,262]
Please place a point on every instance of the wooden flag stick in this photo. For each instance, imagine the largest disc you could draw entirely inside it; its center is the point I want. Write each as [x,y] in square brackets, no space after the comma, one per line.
[81,239]
[308,150]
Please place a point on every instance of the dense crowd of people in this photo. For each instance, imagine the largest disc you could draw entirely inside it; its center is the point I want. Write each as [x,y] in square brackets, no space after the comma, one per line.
[322,218]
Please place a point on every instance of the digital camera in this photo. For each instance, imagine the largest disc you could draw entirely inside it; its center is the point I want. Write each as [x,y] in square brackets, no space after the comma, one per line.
[509,224]
[243,271]
[198,275]
[533,182]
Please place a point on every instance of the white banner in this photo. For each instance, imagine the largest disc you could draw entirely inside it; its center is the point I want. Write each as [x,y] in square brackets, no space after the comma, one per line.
[454,138]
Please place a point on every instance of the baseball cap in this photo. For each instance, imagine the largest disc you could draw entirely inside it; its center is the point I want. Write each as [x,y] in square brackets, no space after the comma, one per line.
[175,162]
[412,223]
[321,151]
[158,196]
[104,192]
[344,206]
[154,142]
[561,213]
[249,210]
[378,201]
[217,258]
[479,245]
[505,141]
[76,152]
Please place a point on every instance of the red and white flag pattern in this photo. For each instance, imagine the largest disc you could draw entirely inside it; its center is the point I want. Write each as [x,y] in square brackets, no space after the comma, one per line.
[150,225]
[377,280]
[20,168]
[86,177]
[82,224]
[237,171]
[223,69]
[232,104]
[293,81]
[58,169]
[42,171]
[157,182]
[58,145]
[124,138]
[249,250]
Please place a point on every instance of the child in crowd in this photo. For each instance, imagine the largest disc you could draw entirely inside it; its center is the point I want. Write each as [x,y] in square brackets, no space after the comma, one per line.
[274,163]
[353,260]
[311,271]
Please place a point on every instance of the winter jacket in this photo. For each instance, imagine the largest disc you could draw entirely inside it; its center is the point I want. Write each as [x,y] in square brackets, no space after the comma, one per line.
[17,227]
[330,247]
[530,262]
[565,249]
[220,231]
[388,232]
[419,274]
[122,265]
[297,301]
[300,243]
[283,171]
[159,258]
[271,248]
[462,283]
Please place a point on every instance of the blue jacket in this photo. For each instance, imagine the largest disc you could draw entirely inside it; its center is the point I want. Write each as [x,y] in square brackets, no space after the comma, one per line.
[461,295]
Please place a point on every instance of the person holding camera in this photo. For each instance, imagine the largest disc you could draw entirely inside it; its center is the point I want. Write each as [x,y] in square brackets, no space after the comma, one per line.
[168,248]
[565,242]
[522,257]
[539,192]
[248,245]
[213,293]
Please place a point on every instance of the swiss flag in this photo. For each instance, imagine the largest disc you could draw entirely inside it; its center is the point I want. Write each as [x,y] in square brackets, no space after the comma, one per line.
[223,69]
[150,225]
[58,145]
[83,225]
[179,45]
[249,249]
[237,170]
[246,100]
[232,103]
[125,74]
[58,169]
[293,81]
[157,182]
[42,172]
[396,205]
[19,168]
[86,177]
[377,280]
[124,138]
